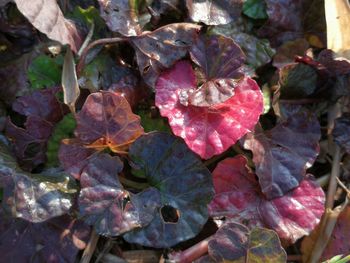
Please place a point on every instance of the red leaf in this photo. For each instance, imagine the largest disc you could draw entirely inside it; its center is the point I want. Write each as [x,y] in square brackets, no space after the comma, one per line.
[207,130]
[238,197]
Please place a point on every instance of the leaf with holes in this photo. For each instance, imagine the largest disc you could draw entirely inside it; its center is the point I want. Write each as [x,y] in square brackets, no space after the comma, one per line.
[48,18]
[282,154]
[214,12]
[184,184]
[106,120]
[236,243]
[238,197]
[162,48]
[211,130]
[34,197]
[121,16]
[105,204]
[56,240]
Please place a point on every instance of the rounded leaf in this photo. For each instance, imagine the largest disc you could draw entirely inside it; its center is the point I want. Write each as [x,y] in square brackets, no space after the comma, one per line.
[211,130]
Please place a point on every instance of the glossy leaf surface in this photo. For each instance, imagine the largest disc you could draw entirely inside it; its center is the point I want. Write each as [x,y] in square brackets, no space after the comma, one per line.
[207,130]
[34,197]
[56,240]
[104,203]
[239,198]
[184,184]
[162,48]
[236,243]
[282,154]
[212,12]
[106,120]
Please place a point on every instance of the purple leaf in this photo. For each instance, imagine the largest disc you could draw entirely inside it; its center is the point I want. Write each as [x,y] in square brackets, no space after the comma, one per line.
[238,197]
[341,131]
[211,130]
[282,154]
[56,240]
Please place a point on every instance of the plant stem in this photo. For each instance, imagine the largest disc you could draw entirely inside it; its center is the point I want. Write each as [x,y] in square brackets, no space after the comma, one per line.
[332,185]
[90,248]
[102,41]
[191,254]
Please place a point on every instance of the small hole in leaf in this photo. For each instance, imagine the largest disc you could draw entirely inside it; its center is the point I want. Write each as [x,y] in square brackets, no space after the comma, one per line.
[115,9]
[169,214]
[126,200]
[146,69]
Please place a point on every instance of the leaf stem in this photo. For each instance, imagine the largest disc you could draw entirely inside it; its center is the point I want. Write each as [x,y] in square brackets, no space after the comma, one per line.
[90,248]
[332,185]
[133,184]
[191,254]
[102,41]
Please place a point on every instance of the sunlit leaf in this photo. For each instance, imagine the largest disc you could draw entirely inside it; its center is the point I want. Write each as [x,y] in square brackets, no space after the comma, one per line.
[211,130]
[238,197]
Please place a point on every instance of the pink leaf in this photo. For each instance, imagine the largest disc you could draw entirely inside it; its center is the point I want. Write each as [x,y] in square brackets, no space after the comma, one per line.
[210,130]
[239,197]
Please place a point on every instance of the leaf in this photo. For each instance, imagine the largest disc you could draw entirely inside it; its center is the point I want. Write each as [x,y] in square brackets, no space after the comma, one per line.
[162,48]
[45,71]
[185,188]
[211,130]
[56,240]
[216,12]
[105,204]
[106,120]
[42,104]
[282,154]
[236,243]
[63,129]
[286,53]
[337,17]
[121,16]
[255,9]
[74,156]
[153,124]
[238,197]
[34,197]
[69,81]
[341,131]
[47,17]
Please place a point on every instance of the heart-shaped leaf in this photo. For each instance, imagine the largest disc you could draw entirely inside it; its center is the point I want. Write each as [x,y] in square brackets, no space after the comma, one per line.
[106,120]
[236,243]
[207,130]
[56,240]
[105,204]
[162,48]
[184,184]
[282,154]
[239,198]
[214,12]
[34,197]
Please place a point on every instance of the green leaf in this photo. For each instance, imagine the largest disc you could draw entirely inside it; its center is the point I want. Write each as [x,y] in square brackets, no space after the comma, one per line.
[45,71]
[255,9]
[64,129]
[338,259]
[152,124]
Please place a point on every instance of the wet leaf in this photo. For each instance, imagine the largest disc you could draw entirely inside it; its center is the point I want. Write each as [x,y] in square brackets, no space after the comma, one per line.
[282,154]
[211,130]
[34,197]
[162,48]
[121,16]
[105,204]
[69,81]
[236,243]
[216,12]
[255,9]
[47,17]
[106,120]
[341,131]
[185,188]
[45,71]
[238,197]
[56,240]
